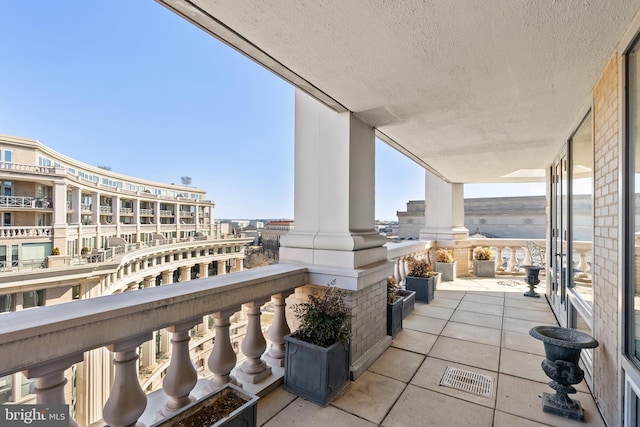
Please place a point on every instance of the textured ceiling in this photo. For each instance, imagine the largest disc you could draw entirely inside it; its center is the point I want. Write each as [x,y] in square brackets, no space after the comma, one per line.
[471,90]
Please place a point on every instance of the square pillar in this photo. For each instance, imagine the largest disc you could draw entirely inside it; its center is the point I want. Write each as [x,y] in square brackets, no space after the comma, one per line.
[444,212]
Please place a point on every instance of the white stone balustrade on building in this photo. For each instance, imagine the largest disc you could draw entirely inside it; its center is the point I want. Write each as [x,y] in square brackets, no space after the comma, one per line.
[33,339]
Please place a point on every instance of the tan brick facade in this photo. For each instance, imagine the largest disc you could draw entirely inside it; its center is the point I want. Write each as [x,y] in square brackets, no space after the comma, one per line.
[605,242]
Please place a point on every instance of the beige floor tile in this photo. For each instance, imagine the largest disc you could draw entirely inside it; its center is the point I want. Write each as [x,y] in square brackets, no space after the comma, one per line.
[527,366]
[467,353]
[370,397]
[479,307]
[424,408]
[479,334]
[433,311]
[502,419]
[479,319]
[532,315]
[416,341]
[521,325]
[483,298]
[272,403]
[522,342]
[432,370]
[522,398]
[449,294]
[444,302]
[488,293]
[529,305]
[312,415]
[429,325]
[398,364]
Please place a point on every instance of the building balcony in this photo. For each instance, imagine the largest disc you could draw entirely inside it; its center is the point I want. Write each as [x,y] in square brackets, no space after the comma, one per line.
[28,202]
[474,324]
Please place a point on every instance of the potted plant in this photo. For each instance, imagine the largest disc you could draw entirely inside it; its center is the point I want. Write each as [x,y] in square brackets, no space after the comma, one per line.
[229,406]
[84,251]
[394,308]
[421,279]
[446,264]
[483,263]
[318,356]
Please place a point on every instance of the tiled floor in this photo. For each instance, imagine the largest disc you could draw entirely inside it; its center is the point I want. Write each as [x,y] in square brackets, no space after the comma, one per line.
[479,325]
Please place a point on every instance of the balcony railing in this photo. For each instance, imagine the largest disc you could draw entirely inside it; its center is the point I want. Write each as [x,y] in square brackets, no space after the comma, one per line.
[126,211]
[28,168]
[25,202]
[22,232]
[166,213]
[46,341]
[105,209]
[146,212]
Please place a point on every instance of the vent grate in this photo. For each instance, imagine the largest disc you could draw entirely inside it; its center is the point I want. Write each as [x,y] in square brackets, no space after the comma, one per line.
[475,383]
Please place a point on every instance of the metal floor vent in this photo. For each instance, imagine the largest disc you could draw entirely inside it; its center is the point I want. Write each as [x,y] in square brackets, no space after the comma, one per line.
[475,383]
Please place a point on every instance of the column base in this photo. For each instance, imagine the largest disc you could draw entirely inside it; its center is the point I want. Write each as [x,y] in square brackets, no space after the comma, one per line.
[359,366]
[252,378]
[273,361]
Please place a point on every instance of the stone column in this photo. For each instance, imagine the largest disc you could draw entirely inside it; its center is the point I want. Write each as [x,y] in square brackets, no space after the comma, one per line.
[334,234]
[204,270]
[222,267]
[127,401]
[167,277]
[222,358]
[76,202]
[181,375]
[254,369]
[185,273]
[50,381]
[95,208]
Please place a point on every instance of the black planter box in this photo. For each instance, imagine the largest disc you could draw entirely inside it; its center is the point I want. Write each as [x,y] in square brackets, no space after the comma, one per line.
[423,287]
[408,302]
[394,318]
[317,374]
[244,416]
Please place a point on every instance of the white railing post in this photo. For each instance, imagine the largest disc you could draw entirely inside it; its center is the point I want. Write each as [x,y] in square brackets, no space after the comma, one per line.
[222,358]
[127,401]
[254,369]
[50,381]
[513,260]
[277,331]
[181,376]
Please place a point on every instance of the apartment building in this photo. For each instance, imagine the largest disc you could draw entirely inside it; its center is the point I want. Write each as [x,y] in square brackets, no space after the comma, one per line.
[71,231]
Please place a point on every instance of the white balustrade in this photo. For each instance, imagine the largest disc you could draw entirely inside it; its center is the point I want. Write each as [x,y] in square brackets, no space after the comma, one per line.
[222,358]
[277,331]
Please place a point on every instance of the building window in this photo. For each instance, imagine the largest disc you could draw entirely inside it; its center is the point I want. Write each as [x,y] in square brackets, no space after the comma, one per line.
[8,156]
[632,198]
[75,292]
[32,299]
[7,303]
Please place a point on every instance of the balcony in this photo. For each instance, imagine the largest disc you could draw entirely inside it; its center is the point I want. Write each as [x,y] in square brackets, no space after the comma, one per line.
[29,202]
[480,325]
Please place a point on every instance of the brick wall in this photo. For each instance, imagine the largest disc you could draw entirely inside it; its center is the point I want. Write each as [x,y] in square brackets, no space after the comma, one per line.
[605,242]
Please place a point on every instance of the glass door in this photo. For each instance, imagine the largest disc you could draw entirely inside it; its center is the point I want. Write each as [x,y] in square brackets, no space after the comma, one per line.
[558,244]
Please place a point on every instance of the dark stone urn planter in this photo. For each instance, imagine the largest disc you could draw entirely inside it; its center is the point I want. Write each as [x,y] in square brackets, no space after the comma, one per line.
[193,415]
[394,318]
[315,373]
[533,272]
[562,348]
[422,286]
[408,301]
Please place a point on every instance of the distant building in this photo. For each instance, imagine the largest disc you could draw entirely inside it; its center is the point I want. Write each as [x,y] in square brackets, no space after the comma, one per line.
[412,221]
[271,236]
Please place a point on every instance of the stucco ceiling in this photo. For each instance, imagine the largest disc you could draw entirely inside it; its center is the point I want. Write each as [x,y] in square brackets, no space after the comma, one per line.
[471,90]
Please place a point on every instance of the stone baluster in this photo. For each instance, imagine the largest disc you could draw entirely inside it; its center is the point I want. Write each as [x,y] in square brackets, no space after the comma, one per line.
[127,401]
[513,260]
[181,375]
[527,256]
[254,369]
[583,265]
[50,381]
[499,259]
[278,329]
[396,270]
[222,358]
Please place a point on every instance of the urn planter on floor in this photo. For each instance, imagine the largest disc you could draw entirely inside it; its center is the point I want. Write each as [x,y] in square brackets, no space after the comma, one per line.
[562,348]
[408,301]
[394,317]
[532,279]
[316,373]
[422,286]
[203,411]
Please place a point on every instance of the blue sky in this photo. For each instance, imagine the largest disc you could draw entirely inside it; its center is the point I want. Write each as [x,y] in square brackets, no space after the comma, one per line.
[130,85]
